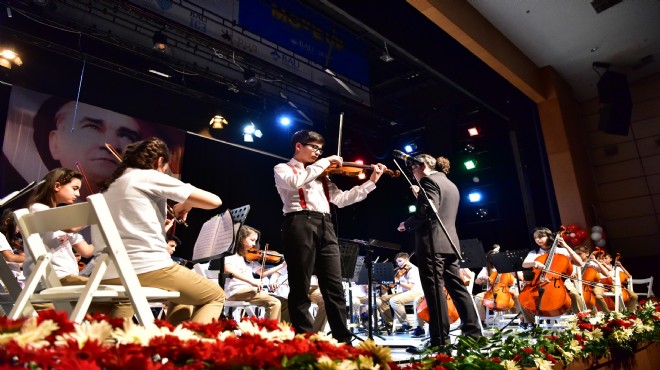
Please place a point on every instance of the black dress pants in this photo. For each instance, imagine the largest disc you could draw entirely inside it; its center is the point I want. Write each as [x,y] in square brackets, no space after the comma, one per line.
[447,268]
[310,244]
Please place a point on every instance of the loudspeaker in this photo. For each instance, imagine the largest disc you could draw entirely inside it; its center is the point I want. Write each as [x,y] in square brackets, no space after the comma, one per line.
[616,101]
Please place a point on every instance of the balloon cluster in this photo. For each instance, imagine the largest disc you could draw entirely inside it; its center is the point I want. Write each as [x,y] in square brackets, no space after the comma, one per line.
[598,236]
[575,235]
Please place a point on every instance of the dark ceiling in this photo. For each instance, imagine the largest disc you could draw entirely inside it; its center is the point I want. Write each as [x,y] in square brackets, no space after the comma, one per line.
[429,93]
[431,83]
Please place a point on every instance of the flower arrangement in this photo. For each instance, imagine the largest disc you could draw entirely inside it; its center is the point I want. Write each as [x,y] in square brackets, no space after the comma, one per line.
[51,341]
[589,336]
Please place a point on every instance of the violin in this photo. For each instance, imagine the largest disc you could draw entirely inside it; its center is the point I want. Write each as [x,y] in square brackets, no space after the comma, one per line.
[546,294]
[498,297]
[353,169]
[423,309]
[272,257]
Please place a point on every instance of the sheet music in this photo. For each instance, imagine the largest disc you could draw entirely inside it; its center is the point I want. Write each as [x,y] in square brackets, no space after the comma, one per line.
[215,237]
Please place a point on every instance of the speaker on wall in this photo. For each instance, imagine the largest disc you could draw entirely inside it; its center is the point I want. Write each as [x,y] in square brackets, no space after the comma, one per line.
[616,101]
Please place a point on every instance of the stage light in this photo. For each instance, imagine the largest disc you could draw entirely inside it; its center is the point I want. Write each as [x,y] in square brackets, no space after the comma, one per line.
[474,197]
[469,148]
[159,73]
[362,176]
[409,148]
[359,161]
[218,122]
[470,164]
[8,57]
[250,77]
[476,179]
[386,57]
[412,209]
[284,120]
[160,41]
[473,131]
[481,212]
[249,129]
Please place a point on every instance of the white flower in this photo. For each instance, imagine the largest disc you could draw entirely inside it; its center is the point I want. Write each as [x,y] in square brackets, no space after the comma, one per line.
[323,337]
[87,331]
[510,365]
[543,364]
[574,346]
[593,335]
[34,335]
[347,365]
[135,333]
[248,327]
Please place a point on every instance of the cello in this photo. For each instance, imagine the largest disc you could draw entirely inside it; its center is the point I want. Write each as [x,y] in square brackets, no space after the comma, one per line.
[498,297]
[452,312]
[546,294]
[609,285]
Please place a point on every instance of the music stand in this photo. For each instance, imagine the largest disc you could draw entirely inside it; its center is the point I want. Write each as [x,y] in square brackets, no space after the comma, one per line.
[473,255]
[348,252]
[510,261]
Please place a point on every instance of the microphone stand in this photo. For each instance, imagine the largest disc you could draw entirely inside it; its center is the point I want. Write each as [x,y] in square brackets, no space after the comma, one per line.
[436,279]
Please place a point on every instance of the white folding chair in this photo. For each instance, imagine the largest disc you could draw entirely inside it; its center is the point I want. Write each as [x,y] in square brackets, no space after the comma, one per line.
[75,300]
[238,308]
[10,284]
[648,286]
[619,305]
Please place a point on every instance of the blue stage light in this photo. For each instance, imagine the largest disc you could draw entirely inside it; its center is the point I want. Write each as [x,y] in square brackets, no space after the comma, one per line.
[474,197]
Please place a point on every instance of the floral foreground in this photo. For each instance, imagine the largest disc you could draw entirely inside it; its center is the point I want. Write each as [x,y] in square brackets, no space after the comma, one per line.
[51,341]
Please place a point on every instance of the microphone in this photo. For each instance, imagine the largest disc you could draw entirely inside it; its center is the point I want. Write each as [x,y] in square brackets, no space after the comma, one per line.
[401,155]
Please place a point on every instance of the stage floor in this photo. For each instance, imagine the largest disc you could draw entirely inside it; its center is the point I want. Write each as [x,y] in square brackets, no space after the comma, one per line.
[398,343]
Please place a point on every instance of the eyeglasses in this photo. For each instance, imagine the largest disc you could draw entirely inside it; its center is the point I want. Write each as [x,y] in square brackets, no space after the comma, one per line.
[315,148]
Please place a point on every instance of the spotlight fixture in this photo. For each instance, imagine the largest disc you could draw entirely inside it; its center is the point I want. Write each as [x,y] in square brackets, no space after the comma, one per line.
[160,41]
[409,148]
[470,164]
[250,77]
[473,131]
[474,197]
[218,122]
[9,57]
[386,57]
[250,131]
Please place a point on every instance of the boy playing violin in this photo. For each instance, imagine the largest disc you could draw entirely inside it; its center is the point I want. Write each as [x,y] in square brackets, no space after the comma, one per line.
[407,278]
[308,232]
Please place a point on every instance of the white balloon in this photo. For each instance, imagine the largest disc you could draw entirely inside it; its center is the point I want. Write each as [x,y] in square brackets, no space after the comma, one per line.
[596,229]
[596,236]
[572,235]
[601,243]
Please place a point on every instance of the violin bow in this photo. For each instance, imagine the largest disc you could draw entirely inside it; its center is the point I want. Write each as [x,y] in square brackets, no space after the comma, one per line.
[341,128]
[113,151]
[263,266]
[82,171]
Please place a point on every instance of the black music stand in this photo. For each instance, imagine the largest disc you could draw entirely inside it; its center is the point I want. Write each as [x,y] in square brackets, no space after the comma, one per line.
[510,261]
[374,274]
[473,255]
[348,252]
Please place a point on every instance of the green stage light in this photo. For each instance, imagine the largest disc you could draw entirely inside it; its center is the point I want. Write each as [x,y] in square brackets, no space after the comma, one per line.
[470,164]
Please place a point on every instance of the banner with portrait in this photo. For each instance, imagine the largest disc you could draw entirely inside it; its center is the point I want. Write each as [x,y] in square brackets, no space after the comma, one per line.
[46,131]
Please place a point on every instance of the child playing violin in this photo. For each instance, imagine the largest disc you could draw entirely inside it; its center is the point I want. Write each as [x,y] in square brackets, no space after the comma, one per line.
[410,289]
[242,286]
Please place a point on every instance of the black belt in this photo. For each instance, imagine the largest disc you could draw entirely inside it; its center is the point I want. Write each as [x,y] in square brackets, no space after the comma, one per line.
[308,213]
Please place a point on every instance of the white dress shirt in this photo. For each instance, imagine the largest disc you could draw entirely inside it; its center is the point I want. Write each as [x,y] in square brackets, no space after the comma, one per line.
[287,183]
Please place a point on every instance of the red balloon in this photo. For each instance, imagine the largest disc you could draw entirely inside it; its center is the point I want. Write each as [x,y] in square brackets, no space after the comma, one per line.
[581,234]
[572,227]
[574,241]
